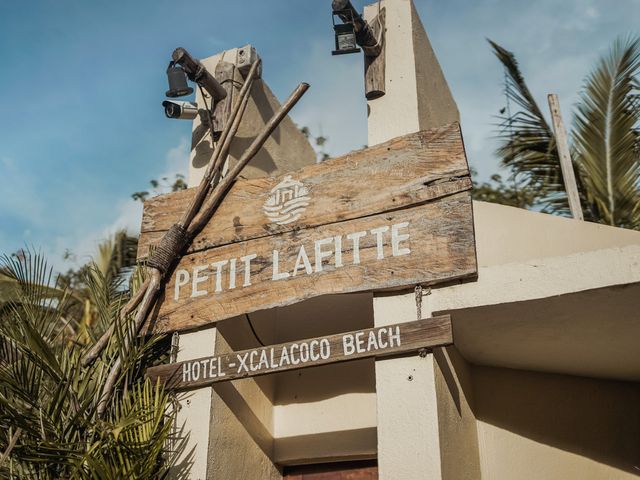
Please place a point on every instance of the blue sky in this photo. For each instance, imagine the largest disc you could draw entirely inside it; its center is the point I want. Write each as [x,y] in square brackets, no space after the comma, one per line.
[81,83]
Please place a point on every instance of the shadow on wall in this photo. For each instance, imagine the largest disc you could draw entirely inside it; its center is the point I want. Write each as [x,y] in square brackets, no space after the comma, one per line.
[263,161]
[327,381]
[315,317]
[333,446]
[592,418]
[259,110]
[285,150]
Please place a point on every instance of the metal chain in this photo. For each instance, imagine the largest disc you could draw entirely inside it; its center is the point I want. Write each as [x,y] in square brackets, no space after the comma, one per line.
[173,398]
[418,291]
[175,345]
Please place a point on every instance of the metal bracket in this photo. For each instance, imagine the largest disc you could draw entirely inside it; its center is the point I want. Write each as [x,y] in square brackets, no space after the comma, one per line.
[246,57]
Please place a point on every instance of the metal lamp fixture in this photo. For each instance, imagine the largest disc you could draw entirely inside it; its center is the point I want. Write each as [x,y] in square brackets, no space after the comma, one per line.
[345,33]
[178,86]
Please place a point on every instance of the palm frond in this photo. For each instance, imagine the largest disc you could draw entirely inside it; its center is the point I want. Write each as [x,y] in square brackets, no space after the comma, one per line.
[47,393]
[116,255]
[527,141]
[606,135]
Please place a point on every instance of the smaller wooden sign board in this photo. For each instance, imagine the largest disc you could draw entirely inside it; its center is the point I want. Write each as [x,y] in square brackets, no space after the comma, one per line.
[343,347]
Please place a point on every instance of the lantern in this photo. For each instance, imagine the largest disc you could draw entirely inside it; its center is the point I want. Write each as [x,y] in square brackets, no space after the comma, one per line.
[345,34]
[178,86]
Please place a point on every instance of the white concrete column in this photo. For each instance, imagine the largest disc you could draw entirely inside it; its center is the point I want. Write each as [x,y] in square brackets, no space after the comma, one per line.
[417,97]
[417,94]
[195,406]
[408,435]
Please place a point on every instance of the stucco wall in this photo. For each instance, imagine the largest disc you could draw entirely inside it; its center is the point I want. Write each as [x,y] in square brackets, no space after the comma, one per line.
[240,443]
[534,426]
[459,451]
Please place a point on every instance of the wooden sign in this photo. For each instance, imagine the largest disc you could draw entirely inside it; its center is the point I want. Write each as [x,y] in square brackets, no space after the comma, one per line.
[371,342]
[390,216]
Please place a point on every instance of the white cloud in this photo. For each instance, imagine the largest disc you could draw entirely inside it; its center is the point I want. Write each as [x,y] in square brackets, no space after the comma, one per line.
[128,216]
[20,198]
[177,159]
[557,43]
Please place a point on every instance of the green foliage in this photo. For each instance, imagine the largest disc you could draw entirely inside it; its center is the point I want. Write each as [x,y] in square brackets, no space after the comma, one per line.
[513,194]
[161,186]
[317,142]
[48,400]
[528,144]
[114,262]
[604,139]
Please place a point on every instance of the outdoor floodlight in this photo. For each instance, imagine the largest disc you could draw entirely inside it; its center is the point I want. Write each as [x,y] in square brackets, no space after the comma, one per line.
[178,86]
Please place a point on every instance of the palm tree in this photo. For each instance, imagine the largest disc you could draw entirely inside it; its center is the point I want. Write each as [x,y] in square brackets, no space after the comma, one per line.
[50,426]
[114,262]
[605,140]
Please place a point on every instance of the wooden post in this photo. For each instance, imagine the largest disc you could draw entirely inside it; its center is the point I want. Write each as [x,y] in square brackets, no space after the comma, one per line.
[562,143]
[374,65]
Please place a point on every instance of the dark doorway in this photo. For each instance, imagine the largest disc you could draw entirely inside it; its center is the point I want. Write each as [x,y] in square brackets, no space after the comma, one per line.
[360,470]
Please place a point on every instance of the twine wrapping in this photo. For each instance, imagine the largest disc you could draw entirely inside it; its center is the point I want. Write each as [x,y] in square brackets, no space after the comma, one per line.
[169,249]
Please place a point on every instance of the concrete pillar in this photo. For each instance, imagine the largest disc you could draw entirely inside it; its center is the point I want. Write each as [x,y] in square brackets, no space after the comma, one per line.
[408,434]
[205,414]
[420,420]
[193,415]
[417,95]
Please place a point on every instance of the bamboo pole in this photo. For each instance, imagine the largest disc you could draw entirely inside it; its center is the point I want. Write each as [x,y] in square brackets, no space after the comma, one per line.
[12,444]
[225,139]
[214,199]
[218,191]
[220,151]
[102,342]
[566,165]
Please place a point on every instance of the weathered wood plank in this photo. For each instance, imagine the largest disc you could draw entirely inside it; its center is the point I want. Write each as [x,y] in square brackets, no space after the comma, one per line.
[402,172]
[371,342]
[425,244]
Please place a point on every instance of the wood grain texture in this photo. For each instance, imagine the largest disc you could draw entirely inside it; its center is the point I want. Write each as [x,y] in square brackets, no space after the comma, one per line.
[566,165]
[222,109]
[374,66]
[402,172]
[386,217]
[440,247]
[371,342]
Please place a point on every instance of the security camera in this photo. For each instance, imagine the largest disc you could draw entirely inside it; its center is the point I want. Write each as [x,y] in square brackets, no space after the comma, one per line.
[180,110]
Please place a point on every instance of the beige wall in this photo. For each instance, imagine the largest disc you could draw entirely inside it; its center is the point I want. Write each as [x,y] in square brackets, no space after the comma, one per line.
[241,441]
[318,414]
[459,451]
[286,148]
[534,426]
